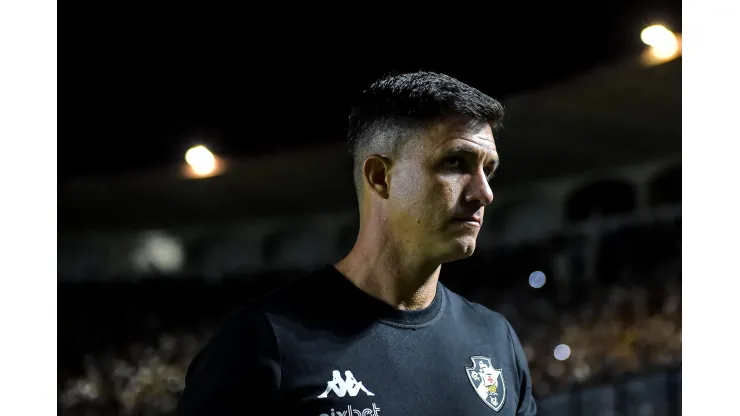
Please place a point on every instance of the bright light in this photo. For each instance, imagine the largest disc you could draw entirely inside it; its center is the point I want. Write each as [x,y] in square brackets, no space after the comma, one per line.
[562,352]
[664,43]
[537,279]
[201,160]
[158,252]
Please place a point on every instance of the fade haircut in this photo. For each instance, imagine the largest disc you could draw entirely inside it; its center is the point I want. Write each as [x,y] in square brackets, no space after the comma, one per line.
[397,107]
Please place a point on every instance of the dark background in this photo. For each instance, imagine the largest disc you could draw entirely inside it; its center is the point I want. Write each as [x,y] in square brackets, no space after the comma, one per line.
[139,85]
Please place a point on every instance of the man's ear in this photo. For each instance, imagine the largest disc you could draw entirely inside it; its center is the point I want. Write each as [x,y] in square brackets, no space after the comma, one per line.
[375,170]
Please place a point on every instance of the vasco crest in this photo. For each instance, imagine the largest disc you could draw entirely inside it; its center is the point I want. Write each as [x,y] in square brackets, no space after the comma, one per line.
[488,382]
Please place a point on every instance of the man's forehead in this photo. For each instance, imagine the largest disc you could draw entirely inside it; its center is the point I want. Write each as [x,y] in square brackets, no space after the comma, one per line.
[478,136]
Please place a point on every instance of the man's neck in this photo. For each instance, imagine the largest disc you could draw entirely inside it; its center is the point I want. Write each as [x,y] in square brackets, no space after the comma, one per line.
[387,273]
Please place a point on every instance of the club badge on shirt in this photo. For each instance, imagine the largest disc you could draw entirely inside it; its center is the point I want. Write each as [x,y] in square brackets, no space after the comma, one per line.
[487,381]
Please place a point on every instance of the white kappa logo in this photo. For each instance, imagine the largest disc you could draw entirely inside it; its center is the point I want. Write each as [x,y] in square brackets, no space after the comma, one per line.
[342,387]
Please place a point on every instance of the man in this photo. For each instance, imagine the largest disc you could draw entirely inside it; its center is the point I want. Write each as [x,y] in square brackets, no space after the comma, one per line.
[376,333]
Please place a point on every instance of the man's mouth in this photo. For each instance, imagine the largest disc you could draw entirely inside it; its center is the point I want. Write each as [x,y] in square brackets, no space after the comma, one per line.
[472,220]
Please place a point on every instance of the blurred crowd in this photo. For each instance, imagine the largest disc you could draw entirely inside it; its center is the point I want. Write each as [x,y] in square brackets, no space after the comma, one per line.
[614,299]
[619,315]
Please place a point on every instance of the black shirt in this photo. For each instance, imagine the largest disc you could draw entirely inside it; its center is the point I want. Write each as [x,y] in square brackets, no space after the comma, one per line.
[321,346]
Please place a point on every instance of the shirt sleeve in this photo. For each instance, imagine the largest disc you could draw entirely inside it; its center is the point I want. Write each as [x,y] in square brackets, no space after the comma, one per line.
[526,405]
[238,371]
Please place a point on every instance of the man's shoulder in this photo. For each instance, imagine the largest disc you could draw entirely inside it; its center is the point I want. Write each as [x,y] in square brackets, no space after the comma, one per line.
[476,313]
[297,291]
[257,315]
[295,297]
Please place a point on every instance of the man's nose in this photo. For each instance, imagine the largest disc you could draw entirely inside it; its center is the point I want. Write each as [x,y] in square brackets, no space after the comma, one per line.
[479,190]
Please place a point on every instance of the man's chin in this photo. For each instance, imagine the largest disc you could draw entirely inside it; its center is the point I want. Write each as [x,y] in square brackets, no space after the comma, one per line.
[460,248]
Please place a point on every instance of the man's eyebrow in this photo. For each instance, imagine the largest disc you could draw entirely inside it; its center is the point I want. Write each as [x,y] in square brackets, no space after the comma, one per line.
[464,149]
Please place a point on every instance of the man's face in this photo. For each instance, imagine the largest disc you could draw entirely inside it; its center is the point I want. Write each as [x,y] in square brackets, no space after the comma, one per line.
[439,185]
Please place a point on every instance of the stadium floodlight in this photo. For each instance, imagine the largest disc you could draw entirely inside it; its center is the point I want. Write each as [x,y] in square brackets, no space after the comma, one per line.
[202,162]
[664,43]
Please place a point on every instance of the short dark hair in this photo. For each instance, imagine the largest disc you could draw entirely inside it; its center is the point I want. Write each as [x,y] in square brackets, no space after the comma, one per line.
[395,107]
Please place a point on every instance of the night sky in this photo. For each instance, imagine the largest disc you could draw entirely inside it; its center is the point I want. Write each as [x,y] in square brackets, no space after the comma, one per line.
[138,86]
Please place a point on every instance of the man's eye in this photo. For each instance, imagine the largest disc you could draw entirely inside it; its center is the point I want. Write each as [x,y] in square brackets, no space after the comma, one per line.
[453,162]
